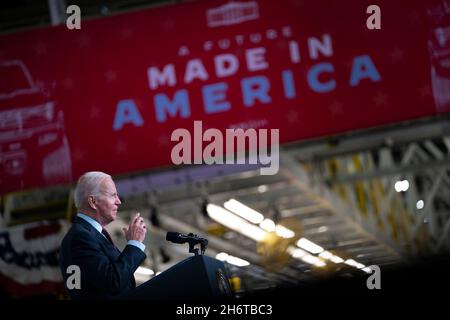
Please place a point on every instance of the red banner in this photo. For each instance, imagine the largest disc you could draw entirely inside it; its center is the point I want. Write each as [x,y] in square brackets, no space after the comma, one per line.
[107,97]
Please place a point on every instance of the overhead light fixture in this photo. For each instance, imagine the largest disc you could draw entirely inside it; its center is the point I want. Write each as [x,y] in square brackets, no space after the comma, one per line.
[237,261]
[232,259]
[329,256]
[234,222]
[336,259]
[284,232]
[305,257]
[313,260]
[401,186]
[351,262]
[309,246]
[367,270]
[242,210]
[326,255]
[268,225]
[263,188]
[222,256]
[420,204]
[296,252]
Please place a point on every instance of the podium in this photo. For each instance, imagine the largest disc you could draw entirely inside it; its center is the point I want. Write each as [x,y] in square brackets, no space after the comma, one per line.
[195,278]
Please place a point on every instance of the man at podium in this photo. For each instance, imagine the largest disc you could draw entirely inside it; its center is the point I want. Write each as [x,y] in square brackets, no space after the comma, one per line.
[104,271]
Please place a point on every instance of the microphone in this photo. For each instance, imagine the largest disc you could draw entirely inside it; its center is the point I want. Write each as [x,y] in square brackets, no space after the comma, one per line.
[190,238]
[176,237]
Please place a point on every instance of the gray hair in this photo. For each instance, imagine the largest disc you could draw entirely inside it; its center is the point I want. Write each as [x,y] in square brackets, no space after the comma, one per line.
[88,184]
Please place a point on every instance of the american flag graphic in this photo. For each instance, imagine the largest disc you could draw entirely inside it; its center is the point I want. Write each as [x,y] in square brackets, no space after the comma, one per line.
[29,263]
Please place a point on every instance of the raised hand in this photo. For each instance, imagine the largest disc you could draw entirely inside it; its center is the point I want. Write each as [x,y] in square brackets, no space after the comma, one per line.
[137,229]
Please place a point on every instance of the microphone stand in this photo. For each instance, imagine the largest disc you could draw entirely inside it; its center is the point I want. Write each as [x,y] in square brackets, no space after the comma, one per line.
[193,242]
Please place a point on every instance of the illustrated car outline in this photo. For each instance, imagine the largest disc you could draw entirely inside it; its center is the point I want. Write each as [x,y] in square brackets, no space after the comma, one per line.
[34,149]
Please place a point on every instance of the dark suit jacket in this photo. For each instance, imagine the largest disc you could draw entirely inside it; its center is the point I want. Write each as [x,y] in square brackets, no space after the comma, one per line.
[105,271]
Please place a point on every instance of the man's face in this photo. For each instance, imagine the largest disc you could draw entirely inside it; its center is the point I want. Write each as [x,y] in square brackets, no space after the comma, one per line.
[107,201]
